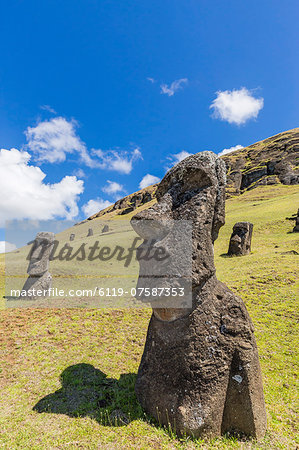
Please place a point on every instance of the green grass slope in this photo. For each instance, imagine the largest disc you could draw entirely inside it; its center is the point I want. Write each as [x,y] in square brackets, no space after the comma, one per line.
[63,372]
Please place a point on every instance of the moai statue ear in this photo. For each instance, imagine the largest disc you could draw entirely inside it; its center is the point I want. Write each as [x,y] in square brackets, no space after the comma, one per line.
[219,214]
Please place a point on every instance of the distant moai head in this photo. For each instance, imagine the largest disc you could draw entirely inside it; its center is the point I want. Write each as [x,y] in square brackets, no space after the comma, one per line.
[105,229]
[90,232]
[192,191]
[240,241]
[296,227]
[40,253]
[72,237]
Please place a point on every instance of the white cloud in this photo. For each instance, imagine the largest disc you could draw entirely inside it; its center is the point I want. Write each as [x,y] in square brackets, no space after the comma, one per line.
[6,247]
[152,80]
[52,139]
[79,173]
[94,206]
[171,89]
[121,162]
[225,151]
[176,158]
[48,108]
[236,106]
[148,180]
[113,187]
[26,196]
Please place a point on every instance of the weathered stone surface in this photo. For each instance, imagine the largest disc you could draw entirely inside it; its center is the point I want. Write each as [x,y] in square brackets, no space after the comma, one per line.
[38,268]
[42,283]
[72,237]
[296,227]
[200,370]
[240,241]
[90,232]
[105,229]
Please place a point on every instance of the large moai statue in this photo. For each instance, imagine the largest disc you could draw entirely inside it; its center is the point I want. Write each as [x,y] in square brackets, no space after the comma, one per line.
[38,268]
[200,370]
[296,227]
[90,232]
[240,240]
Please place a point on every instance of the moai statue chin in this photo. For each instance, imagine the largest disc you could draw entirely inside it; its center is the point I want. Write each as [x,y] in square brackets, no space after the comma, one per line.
[38,268]
[240,241]
[200,371]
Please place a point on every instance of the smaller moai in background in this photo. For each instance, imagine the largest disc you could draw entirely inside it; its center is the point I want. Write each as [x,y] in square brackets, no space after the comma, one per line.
[72,237]
[296,227]
[90,232]
[240,240]
[38,268]
[105,229]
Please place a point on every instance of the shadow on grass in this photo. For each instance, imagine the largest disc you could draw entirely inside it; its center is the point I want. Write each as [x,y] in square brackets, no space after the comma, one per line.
[87,392]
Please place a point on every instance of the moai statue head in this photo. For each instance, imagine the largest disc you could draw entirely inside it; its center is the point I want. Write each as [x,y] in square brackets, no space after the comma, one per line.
[40,253]
[72,237]
[240,241]
[105,229]
[90,232]
[192,191]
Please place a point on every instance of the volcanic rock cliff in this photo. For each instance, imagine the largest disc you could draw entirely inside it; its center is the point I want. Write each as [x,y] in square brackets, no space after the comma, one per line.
[271,161]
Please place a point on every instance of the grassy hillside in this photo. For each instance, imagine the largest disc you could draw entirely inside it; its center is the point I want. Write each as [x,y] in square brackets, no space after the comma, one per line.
[63,372]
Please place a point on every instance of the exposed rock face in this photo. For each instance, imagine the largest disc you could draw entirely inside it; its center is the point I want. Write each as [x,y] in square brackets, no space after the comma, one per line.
[240,241]
[90,232]
[272,161]
[200,370]
[38,268]
[296,227]
[129,203]
[72,237]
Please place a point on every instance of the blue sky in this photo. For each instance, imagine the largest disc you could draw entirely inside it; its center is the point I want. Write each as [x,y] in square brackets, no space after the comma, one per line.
[111,90]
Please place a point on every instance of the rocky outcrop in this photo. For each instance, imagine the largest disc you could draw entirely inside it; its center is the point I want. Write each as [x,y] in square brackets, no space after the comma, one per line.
[129,203]
[271,161]
[200,372]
